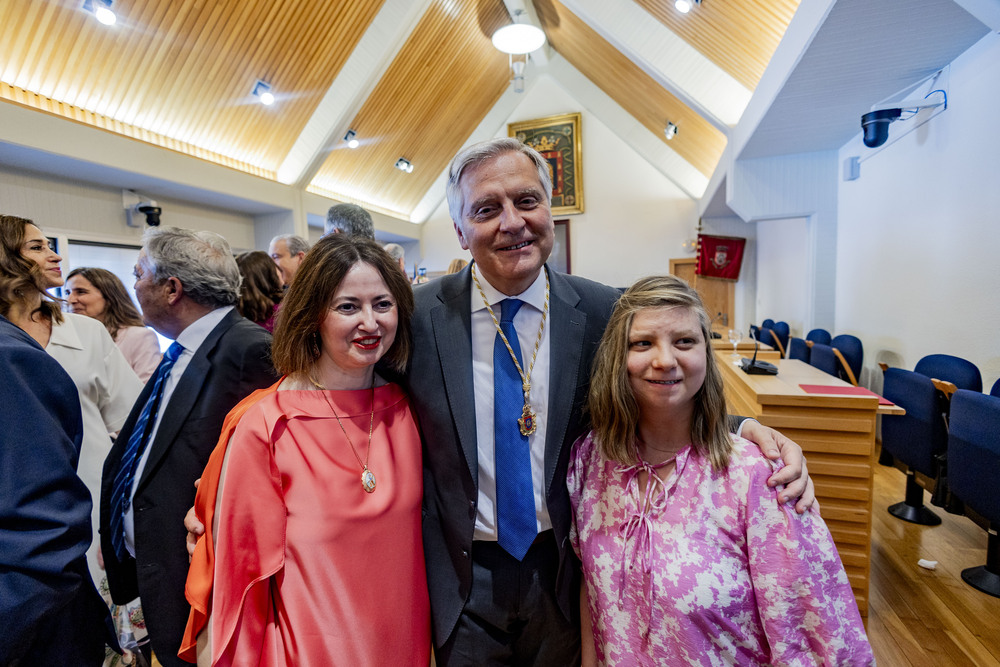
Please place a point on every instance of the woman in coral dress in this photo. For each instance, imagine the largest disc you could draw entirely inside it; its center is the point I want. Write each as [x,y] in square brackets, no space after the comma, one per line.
[314,506]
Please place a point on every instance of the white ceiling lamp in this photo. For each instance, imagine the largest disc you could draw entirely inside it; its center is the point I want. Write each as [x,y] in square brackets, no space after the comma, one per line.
[352,139]
[519,37]
[670,131]
[262,91]
[404,165]
[102,11]
[684,6]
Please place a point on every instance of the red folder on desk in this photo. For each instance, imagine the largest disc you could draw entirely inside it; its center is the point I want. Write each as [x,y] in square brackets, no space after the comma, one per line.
[850,391]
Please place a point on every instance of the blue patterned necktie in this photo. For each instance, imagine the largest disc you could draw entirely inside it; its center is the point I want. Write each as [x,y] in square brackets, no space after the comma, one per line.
[516,526]
[121,491]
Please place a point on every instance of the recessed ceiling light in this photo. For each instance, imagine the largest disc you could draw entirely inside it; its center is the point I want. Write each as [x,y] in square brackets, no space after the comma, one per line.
[684,6]
[670,131]
[404,165]
[352,139]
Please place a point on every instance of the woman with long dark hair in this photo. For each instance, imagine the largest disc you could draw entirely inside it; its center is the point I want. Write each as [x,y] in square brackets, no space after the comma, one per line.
[100,294]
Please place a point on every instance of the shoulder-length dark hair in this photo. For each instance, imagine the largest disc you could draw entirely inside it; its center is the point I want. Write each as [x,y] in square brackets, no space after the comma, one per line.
[261,289]
[119,311]
[296,331]
[21,278]
[613,409]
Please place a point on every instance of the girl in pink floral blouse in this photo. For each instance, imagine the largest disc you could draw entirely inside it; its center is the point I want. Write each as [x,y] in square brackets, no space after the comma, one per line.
[688,557]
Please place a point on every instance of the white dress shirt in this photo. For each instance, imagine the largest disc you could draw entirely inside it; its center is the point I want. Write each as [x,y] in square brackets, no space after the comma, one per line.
[527,322]
[190,339]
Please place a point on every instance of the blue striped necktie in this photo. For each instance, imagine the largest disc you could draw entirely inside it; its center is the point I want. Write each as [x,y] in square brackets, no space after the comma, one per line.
[121,491]
[516,525]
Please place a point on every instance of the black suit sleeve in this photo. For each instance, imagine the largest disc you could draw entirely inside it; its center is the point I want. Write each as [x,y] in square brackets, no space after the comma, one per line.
[44,506]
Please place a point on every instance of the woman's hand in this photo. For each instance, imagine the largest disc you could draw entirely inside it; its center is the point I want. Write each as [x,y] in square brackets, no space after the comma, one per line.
[195,528]
[794,475]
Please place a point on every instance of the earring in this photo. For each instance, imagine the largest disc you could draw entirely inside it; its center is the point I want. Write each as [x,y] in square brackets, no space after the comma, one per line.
[314,344]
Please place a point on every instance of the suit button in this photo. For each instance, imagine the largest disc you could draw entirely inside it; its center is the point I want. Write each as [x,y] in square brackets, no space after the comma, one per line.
[465,554]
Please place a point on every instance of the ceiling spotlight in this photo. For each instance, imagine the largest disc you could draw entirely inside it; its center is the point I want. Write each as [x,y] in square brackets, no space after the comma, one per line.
[102,12]
[352,139]
[670,131]
[404,165]
[262,91]
[519,37]
[684,6]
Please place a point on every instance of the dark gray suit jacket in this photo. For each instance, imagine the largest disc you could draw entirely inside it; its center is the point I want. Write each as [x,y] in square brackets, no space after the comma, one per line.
[233,361]
[441,392]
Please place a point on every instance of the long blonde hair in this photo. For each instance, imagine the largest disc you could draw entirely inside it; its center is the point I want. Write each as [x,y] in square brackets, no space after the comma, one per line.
[613,409]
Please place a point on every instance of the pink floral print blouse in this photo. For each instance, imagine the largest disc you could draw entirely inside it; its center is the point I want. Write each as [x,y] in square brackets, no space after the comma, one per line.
[713,572]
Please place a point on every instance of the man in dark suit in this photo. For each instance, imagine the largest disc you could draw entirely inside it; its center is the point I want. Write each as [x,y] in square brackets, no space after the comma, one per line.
[52,614]
[186,283]
[497,599]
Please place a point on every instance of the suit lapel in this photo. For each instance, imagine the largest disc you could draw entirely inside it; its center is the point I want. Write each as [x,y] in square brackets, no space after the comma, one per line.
[452,324]
[568,326]
[182,400]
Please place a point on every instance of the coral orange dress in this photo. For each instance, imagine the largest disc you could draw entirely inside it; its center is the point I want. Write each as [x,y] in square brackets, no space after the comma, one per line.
[310,569]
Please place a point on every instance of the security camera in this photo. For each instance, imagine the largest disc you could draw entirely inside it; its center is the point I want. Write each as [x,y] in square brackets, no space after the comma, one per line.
[875,123]
[149,209]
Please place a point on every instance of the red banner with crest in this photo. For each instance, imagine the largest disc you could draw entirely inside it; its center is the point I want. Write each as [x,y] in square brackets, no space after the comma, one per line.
[720,256]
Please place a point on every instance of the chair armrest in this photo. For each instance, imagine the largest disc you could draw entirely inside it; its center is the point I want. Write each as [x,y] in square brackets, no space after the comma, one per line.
[846,366]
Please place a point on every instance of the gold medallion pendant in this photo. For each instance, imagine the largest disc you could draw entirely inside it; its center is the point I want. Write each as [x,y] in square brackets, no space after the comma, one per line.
[368,480]
[527,421]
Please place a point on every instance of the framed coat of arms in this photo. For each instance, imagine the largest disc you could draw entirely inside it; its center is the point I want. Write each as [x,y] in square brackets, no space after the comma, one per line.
[557,138]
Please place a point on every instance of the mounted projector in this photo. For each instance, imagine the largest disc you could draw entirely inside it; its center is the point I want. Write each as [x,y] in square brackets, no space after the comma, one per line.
[135,204]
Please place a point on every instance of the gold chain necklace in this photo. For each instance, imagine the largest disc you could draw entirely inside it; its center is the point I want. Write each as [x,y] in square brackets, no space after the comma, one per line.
[527,422]
[367,476]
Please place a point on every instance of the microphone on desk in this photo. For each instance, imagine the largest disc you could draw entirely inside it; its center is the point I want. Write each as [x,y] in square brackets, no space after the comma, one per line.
[710,323]
[754,367]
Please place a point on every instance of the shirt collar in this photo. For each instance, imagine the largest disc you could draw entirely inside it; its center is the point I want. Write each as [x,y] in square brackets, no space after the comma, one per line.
[195,333]
[65,334]
[533,296]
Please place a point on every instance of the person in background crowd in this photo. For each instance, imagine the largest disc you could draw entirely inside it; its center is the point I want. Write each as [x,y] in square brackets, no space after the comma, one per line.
[261,290]
[503,581]
[456,265]
[52,614]
[398,253]
[100,294]
[316,492]
[349,219]
[288,251]
[187,284]
[106,383]
[687,556]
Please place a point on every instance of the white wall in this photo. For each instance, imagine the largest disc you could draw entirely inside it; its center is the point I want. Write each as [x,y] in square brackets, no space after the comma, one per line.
[635,219]
[919,231]
[91,212]
[783,272]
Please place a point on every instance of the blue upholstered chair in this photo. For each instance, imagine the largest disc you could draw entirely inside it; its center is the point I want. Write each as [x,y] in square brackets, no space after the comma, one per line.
[913,439]
[974,469]
[769,323]
[963,374]
[819,336]
[995,391]
[851,355]
[798,349]
[781,332]
[823,357]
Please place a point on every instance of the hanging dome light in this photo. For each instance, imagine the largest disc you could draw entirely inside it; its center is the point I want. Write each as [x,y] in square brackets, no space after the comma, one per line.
[518,37]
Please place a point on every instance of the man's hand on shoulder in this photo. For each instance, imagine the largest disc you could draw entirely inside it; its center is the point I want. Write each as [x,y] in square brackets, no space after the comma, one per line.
[794,475]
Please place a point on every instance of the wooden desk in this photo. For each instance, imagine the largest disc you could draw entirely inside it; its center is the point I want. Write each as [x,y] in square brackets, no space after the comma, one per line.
[837,434]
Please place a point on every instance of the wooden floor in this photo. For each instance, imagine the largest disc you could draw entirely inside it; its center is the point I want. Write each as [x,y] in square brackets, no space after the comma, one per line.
[924,617]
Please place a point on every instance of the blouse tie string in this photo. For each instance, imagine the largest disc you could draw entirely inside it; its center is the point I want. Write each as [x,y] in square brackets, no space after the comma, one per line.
[637,529]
